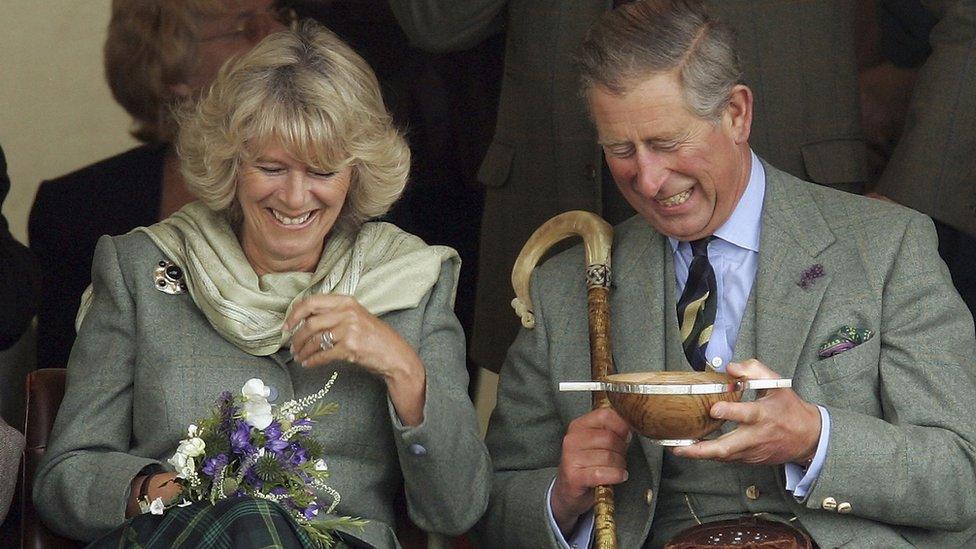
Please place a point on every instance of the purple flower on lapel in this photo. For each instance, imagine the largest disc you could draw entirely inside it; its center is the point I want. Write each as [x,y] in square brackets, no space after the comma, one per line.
[810,275]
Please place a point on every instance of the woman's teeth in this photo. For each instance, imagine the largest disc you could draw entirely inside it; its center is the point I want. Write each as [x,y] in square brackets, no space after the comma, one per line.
[676,199]
[285,220]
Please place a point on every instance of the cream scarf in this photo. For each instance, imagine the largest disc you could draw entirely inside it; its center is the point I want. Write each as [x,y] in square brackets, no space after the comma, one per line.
[383,267]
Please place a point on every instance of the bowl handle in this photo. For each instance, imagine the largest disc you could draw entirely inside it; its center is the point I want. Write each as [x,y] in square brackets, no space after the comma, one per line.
[759,384]
[583,386]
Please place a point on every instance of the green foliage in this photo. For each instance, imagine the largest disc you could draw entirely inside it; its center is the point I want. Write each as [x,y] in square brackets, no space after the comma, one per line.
[322,531]
[269,469]
[323,409]
[314,448]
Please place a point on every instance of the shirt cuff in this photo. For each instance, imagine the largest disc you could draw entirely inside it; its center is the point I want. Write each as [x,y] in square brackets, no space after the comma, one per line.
[579,538]
[800,480]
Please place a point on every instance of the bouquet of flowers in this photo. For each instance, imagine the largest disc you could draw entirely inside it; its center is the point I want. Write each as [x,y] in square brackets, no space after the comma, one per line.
[249,447]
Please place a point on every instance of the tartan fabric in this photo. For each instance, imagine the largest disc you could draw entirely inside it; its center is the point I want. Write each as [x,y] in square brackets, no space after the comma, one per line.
[231,523]
[696,307]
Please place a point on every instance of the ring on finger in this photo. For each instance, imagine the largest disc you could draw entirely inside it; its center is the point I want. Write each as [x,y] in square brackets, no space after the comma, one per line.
[328,340]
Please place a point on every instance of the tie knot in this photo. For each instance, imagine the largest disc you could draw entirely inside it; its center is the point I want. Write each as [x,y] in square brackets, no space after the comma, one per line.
[699,248]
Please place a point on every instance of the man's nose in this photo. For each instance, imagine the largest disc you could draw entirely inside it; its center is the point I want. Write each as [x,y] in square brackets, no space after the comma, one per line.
[651,174]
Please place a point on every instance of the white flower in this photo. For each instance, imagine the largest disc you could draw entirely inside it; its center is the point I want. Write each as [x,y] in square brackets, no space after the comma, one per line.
[178,461]
[192,431]
[157,507]
[255,389]
[191,447]
[257,414]
[189,472]
[320,465]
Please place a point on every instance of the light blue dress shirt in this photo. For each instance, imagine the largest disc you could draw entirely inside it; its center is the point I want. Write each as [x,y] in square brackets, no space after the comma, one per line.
[734,256]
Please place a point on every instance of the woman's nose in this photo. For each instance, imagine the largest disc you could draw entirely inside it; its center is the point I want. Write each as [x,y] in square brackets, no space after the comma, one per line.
[295,189]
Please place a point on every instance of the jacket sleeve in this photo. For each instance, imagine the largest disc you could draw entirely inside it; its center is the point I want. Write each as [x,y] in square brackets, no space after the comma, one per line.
[912,466]
[524,437]
[82,484]
[446,469]
[931,169]
[448,25]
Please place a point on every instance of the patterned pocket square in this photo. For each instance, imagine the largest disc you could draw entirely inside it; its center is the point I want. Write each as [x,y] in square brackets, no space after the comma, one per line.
[847,337]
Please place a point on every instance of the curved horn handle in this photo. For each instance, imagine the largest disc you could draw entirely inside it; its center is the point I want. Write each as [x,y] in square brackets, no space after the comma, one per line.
[597,238]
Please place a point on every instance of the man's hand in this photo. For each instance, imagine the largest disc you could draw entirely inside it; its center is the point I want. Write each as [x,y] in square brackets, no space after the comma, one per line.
[779,427]
[594,451]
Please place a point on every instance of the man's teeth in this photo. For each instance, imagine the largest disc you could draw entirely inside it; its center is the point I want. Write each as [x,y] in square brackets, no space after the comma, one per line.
[676,199]
[285,220]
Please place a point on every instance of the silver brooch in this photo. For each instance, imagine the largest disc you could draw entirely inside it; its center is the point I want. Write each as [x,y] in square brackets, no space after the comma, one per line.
[169,278]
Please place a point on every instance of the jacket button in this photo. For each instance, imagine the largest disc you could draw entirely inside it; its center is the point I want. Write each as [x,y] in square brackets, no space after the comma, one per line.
[829,504]
[589,171]
[752,492]
[844,508]
[417,450]
[649,496]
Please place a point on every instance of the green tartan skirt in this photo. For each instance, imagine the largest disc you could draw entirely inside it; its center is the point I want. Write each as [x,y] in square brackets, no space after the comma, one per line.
[231,523]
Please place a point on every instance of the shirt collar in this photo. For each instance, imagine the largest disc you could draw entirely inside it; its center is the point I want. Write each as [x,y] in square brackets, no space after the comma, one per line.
[743,227]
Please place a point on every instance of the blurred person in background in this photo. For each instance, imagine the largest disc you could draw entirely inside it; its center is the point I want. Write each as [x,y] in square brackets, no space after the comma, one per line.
[18,293]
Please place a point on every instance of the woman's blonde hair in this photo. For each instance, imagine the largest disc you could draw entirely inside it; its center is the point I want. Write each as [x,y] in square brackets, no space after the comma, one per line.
[152,46]
[310,93]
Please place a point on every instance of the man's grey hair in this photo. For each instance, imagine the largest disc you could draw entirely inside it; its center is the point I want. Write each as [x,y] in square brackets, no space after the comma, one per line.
[648,37]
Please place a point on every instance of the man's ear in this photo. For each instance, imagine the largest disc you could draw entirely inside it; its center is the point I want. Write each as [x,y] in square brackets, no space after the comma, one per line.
[738,113]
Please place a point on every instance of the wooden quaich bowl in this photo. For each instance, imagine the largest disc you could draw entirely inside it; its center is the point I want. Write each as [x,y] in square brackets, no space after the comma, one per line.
[671,408]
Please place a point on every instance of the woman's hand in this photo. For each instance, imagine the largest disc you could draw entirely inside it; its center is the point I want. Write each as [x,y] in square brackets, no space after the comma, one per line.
[336,327]
[161,485]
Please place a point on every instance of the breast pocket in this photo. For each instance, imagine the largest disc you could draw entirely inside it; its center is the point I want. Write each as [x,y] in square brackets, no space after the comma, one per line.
[860,361]
[849,379]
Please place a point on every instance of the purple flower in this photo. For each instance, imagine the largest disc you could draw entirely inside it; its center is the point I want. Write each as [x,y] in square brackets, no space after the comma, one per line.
[299,455]
[274,441]
[304,422]
[212,466]
[810,275]
[225,411]
[252,480]
[311,510]
[273,430]
[240,439]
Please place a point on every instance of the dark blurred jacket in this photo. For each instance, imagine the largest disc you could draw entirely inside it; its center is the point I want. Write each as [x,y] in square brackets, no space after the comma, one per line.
[18,276]
[111,197]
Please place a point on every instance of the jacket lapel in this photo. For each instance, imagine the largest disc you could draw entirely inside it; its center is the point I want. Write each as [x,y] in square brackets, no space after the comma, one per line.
[794,233]
[638,338]
[643,293]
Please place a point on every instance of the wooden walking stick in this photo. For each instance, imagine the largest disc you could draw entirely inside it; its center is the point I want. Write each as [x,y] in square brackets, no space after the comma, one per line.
[597,238]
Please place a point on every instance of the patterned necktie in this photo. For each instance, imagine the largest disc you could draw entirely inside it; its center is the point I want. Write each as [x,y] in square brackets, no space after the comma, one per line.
[696,307]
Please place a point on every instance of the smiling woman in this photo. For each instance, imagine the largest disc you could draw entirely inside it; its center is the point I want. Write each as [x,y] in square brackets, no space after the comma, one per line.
[290,153]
